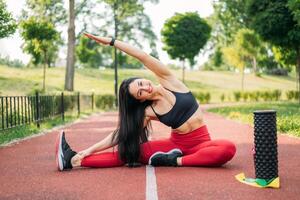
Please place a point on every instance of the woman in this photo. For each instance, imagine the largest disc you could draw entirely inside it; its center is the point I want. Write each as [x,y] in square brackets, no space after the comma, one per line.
[140,101]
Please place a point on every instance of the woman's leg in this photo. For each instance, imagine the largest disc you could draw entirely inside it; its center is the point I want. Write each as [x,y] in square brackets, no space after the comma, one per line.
[111,159]
[151,147]
[105,159]
[209,153]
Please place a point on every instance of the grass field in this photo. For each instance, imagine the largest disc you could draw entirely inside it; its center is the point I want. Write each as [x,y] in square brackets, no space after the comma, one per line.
[14,81]
[288,114]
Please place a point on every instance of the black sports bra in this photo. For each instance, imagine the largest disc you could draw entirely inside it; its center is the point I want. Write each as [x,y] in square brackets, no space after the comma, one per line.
[185,106]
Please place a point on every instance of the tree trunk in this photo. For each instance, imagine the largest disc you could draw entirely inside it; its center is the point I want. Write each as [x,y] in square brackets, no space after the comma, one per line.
[254,65]
[183,71]
[298,70]
[116,54]
[69,78]
[44,77]
[243,77]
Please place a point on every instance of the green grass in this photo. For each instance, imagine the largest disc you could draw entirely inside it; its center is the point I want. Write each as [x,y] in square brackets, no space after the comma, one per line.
[288,114]
[8,135]
[15,81]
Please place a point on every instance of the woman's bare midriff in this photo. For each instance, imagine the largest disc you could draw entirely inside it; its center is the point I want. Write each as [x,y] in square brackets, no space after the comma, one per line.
[194,122]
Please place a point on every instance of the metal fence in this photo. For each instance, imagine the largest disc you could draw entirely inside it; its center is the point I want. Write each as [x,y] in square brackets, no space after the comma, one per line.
[21,110]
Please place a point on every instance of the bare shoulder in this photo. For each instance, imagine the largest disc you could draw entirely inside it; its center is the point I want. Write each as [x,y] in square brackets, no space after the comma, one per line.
[172,83]
[149,113]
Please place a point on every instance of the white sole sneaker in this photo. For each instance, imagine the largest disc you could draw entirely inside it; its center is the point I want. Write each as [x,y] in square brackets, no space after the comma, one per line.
[165,153]
[58,152]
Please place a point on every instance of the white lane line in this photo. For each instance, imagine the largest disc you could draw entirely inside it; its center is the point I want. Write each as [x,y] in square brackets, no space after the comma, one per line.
[151,188]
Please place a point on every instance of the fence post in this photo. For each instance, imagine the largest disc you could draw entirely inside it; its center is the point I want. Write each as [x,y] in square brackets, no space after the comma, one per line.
[93,100]
[78,103]
[37,102]
[62,107]
[2,112]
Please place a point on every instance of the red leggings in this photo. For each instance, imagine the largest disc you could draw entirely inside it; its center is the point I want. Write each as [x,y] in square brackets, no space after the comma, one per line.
[197,148]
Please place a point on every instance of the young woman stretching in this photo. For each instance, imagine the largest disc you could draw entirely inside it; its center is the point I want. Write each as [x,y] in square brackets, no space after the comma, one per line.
[140,101]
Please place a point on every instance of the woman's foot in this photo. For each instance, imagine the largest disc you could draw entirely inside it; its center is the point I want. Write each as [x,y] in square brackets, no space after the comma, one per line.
[63,153]
[165,159]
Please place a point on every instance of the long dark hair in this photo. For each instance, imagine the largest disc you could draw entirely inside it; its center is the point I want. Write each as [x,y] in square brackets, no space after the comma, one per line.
[131,131]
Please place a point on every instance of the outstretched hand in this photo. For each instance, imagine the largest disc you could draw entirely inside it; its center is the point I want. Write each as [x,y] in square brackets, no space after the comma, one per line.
[100,40]
[84,153]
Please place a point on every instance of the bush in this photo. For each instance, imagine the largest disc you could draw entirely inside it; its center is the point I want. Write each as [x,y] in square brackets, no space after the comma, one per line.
[237,95]
[202,97]
[266,95]
[292,95]
[11,63]
[276,95]
[245,96]
[278,72]
[222,97]
[261,95]
[105,101]
[254,96]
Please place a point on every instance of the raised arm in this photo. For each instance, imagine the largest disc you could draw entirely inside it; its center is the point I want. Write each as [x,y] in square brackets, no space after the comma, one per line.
[153,64]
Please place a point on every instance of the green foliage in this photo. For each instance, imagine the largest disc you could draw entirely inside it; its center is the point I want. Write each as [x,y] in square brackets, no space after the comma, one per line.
[7,23]
[11,63]
[288,114]
[281,29]
[292,95]
[276,95]
[273,95]
[294,6]
[52,11]
[246,47]
[70,102]
[222,97]
[248,41]
[41,39]
[218,58]
[105,102]
[130,23]
[202,97]
[254,96]
[245,96]
[88,52]
[284,56]
[46,11]
[237,95]
[184,35]
[229,16]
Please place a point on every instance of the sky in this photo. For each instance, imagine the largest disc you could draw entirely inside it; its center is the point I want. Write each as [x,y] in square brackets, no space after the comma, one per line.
[158,13]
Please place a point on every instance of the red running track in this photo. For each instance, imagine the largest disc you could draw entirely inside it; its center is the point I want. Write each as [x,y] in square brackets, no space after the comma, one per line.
[28,171]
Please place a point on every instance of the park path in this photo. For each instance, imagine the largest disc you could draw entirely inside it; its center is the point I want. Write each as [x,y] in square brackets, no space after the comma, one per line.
[28,171]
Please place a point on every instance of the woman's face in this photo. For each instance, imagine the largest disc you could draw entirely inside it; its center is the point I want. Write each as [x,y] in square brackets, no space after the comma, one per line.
[141,89]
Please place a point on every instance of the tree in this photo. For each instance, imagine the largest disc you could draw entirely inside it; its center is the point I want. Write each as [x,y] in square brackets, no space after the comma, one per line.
[39,36]
[128,17]
[234,57]
[249,45]
[88,52]
[284,56]
[228,17]
[184,35]
[49,11]
[7,23]
[277,22]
